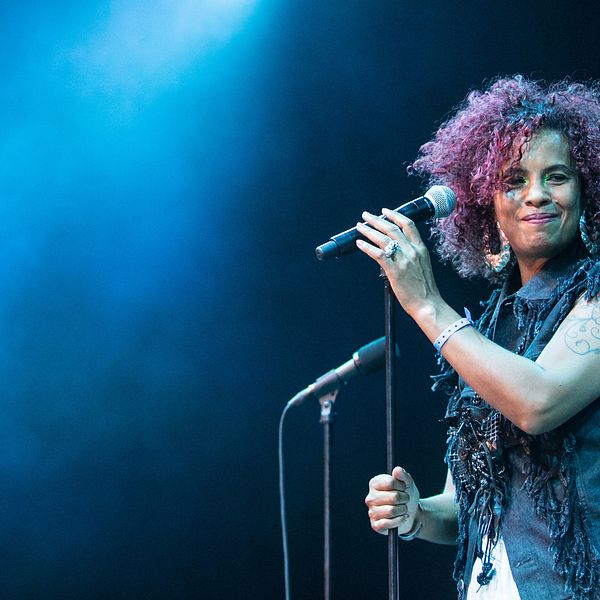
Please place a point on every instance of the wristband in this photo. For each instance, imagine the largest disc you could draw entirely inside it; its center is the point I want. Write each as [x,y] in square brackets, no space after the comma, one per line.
[414,530]
[467,321]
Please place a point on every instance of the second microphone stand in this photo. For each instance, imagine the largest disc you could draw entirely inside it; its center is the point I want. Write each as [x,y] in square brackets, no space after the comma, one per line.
[327,418]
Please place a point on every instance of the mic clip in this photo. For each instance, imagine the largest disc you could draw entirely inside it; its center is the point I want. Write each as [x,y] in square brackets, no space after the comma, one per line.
[327,402]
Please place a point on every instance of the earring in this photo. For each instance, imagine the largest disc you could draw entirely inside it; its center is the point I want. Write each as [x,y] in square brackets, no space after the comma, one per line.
[497,262]
[592,247]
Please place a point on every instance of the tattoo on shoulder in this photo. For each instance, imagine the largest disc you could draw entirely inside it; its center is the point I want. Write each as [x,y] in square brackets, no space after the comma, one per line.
[582,334]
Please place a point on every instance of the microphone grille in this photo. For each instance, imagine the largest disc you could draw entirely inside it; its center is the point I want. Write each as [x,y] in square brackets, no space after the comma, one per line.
[443,200]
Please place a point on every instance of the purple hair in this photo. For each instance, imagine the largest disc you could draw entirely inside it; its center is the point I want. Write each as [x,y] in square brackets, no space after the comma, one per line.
[468,151]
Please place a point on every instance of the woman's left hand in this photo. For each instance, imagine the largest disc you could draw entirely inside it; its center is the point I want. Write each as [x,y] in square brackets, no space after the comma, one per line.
[408,268]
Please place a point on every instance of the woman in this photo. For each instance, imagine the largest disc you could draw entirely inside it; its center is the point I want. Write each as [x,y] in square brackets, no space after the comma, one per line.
[522,498]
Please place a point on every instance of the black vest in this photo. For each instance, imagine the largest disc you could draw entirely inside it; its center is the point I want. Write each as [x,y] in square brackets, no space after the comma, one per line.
[540,493]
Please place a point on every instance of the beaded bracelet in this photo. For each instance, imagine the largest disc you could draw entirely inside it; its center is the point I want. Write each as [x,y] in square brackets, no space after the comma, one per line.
[467,321]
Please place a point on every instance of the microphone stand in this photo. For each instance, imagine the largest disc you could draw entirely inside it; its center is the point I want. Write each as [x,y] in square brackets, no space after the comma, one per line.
[327,418]
[390,414]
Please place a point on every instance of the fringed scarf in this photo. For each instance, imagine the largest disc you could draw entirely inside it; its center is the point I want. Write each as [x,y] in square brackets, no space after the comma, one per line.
[480,438]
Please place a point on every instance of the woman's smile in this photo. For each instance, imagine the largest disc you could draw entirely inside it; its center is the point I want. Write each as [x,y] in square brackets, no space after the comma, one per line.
[540,218]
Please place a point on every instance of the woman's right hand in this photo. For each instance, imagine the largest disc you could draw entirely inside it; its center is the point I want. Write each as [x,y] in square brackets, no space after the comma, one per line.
[393,501]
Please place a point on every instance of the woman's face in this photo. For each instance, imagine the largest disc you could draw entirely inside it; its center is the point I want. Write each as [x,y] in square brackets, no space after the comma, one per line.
[539,205]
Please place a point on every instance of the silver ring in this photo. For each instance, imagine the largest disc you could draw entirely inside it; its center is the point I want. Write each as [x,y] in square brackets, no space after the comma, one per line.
[391,249]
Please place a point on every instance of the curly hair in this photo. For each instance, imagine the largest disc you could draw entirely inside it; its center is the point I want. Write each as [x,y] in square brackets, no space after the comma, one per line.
[489,128]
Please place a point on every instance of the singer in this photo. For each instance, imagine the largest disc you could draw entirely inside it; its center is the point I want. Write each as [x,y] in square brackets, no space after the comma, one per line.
[522,497]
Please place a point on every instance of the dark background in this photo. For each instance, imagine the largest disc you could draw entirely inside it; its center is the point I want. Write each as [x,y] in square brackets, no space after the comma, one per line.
[167,168]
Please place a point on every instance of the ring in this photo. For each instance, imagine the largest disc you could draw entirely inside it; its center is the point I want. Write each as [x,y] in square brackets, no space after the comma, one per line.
[391,249]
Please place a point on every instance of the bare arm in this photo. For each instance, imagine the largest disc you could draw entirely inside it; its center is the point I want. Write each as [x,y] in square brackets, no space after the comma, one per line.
[536,396]
[439,516]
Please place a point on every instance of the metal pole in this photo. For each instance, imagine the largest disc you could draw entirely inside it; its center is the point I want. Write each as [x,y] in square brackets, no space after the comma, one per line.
[327,418]
[390,397]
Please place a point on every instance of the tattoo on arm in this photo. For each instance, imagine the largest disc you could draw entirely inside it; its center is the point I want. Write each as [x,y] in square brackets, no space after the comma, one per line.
[582,334]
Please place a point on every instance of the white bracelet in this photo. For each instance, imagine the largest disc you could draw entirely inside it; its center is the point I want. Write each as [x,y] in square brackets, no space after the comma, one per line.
[414,530]
[467,321]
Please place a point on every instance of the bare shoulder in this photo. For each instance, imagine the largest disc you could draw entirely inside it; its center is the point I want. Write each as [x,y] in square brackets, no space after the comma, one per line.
[574,350]
[580,331]
[571,360]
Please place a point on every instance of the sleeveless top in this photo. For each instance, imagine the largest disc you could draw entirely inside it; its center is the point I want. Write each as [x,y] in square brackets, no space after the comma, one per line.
[502,585]
[540,493]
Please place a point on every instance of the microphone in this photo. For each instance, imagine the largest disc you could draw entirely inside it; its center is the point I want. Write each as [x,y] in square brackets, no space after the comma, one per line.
[439,201]
[366,360]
